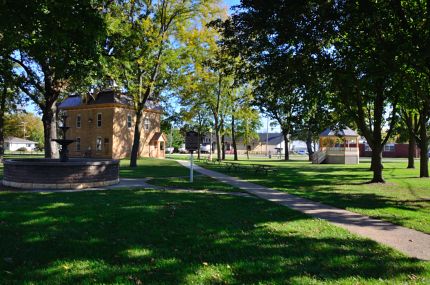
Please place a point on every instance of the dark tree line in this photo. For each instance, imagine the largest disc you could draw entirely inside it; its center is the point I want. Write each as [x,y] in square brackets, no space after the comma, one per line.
[355,61]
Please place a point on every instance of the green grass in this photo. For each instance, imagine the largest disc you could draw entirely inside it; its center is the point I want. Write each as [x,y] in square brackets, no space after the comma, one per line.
[150,167]
[148,237]
[169,173]
[200,182]
[404,199]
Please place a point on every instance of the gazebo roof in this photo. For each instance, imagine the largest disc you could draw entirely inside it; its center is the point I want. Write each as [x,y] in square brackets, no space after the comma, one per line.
[346,132]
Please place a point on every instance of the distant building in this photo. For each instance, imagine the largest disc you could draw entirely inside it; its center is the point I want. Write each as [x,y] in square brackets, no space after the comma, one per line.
[14,144]
[103,126]
[266,143]
[399,150]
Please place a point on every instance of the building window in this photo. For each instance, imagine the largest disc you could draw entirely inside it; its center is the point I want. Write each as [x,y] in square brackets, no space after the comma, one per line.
[161,145]
[367,147]
[99,144]
[99,120]
[78,121]
[28,145]
[129,121]
[389,147]
[146,124]
[78,144]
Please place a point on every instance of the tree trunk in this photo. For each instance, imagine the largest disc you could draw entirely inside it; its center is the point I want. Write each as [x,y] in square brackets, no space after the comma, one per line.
[199,150]
[309,145]
[136,139]
[233,137]
[424,160]
[411,151]
[377,165]
[2,111]
[424,142]
[287,153]
[50,130]
[223,146]
[218,138]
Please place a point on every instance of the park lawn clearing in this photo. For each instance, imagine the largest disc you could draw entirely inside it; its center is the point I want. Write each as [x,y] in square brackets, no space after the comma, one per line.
[201,182]
[152,167]
[403,200]
[169,173]
[152,237]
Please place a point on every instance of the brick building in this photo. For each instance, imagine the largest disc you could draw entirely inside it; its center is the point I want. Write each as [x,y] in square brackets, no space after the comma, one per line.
[399,150]
[103,126]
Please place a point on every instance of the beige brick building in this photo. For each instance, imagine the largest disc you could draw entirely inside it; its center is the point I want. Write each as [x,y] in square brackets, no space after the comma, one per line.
[103,126]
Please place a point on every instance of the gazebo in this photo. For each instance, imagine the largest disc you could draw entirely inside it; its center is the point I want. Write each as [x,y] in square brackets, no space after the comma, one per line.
[338,147]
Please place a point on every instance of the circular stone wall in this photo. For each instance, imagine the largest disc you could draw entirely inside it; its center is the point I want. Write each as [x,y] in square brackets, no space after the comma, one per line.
[53,174]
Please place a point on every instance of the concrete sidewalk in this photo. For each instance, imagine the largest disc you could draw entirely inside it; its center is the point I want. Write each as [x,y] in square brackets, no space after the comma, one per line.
[411,242]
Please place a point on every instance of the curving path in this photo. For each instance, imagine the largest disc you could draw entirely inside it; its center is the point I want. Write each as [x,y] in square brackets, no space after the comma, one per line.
[410,242]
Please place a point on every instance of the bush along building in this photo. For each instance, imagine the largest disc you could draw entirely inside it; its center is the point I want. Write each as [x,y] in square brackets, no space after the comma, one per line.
[102,126]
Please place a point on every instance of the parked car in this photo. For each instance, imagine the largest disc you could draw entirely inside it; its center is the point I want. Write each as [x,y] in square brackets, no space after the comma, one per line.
[205,148]
[170,150]
[182,150]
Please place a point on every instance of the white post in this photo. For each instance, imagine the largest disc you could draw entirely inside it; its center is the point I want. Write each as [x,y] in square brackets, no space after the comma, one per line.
[191,167]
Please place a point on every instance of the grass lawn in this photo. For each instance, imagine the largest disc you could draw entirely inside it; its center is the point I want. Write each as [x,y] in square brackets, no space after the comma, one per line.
[404,199]
[169,173]
[148,237]
[200,182]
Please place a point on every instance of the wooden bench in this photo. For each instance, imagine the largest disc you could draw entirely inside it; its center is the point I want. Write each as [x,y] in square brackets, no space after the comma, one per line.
[264,168]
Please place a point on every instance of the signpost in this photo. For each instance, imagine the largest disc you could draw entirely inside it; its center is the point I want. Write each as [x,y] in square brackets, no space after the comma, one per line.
[192,144]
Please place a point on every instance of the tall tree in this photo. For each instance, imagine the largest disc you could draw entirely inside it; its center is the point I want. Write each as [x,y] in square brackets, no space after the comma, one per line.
[413,34]
[55,41]
[143,47]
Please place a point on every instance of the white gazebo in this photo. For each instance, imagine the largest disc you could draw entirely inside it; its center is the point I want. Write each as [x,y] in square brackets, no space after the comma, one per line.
[338,147]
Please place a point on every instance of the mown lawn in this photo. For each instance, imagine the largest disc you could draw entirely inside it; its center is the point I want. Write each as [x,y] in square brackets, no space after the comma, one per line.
[149,237]
[404,199]
[169,173]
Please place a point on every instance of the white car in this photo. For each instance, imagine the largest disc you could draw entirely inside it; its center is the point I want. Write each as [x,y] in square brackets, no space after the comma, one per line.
[170,150]
[205,148]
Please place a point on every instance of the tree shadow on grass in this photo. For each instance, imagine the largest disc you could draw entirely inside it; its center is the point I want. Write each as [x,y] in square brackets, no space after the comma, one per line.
[167,238]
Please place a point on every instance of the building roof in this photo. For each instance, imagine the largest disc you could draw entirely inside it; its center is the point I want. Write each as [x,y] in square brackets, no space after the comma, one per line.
[271,138]
[106,96]
[156,137]
[345,132]
[17,140]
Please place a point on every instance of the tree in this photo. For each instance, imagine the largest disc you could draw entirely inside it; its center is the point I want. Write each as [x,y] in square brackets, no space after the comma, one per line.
[54,42]
[248,122]
[9,96]
[413,32]
[278,54]
[143,48]
[207,80]
[24,125]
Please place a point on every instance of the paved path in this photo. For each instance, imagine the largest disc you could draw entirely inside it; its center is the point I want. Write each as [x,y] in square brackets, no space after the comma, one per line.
[410,242]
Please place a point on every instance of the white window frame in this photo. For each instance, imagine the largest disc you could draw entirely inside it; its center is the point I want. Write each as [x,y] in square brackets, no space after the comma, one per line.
[99,121]
[78,121]
[78,144]
[367,147]
[99,147]
[389,148]
[129,121]
[146,124]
